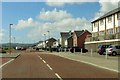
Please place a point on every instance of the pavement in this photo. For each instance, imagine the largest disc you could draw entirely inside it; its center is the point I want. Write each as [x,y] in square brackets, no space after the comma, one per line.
[8,55]
[110,63]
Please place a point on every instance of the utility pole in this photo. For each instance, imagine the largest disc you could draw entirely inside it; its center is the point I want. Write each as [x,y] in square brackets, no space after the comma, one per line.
[10,36]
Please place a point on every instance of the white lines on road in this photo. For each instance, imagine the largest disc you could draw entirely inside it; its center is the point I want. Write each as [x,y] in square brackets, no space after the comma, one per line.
[44,61]
[49,66]
[40,57]
[6,63]
[58,76]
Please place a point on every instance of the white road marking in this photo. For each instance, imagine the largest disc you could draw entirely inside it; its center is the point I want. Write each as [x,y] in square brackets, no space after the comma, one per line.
[91,64]
[58,76]
[44,61]
[40,57]
[49,67]
[6,63]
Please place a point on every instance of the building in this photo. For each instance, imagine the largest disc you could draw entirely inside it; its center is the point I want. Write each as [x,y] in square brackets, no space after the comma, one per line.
[79,38]
[105,30]
[70,41]
[49,42]
[64,37]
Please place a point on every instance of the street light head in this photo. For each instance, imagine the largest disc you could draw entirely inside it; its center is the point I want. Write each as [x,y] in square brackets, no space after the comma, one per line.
[11,24]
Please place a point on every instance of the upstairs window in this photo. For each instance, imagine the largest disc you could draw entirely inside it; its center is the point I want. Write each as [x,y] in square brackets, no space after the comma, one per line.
[96,24]
[101,22]
[118,15]
[110,19]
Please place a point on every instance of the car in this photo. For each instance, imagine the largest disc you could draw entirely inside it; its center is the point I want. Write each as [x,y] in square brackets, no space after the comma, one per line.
[113,50]
[77,49]
[102,49]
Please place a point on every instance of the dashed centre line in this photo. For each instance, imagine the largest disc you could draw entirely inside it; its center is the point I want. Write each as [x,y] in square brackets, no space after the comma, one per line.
[58,76]
[50,68]
[44,61]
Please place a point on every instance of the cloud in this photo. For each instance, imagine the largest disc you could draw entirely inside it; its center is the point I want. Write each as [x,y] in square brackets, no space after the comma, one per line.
[54,15]
[63,2]
[106,6]
[22,24]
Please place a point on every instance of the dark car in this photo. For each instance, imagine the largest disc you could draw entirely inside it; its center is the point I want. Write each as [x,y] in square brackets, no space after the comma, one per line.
[102,49]
[77,49]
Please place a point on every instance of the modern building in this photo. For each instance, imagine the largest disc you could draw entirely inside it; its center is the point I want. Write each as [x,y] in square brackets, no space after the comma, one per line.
[105,30]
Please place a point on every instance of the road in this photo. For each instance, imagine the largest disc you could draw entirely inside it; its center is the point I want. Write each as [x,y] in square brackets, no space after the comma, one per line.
[43,65]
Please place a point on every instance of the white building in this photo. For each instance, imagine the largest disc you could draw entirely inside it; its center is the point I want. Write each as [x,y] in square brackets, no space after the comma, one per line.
[105,30]
[107,25]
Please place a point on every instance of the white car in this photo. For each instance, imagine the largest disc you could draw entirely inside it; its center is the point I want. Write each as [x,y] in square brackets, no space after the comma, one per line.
[113,50]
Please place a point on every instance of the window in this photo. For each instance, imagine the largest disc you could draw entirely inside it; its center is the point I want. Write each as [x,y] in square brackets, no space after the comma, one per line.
[117,47]
[118,29]
[101,22]
[110,31]
[102,33]
[96,24]
[110,19]
[118,15]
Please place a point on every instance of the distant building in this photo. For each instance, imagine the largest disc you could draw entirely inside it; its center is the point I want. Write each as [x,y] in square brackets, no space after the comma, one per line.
[49,42]
[79,38]
[64,37]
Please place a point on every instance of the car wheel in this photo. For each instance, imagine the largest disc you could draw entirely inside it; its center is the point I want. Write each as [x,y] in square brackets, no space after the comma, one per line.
[114,53]
[100,53]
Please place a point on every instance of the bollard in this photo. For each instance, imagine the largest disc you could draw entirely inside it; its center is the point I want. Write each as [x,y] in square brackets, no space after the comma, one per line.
[91,52]
[106,56]
[81,51]
[74,49]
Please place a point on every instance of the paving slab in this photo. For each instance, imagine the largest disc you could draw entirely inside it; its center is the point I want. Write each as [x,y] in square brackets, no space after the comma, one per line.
[8,55]
[109,64]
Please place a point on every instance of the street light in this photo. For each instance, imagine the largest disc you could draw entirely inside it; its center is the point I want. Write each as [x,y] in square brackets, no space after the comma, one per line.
[45,40]
[48,34]
[10,36]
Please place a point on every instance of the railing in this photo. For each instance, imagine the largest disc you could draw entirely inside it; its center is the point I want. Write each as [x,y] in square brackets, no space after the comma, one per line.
[100,38]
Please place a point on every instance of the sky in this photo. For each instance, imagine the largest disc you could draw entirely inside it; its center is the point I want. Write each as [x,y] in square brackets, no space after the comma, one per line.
[31,20]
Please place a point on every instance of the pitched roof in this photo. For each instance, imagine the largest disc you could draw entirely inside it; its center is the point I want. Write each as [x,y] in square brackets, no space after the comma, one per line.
[65,34]
[51,39]
[78,33]
[108,14]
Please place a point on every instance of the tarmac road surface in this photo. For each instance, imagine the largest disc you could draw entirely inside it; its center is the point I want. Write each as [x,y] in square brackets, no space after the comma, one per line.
[43,65]
[27,65]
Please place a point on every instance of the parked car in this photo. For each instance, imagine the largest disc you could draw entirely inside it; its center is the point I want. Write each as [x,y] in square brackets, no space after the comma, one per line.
[102,49]
[77,49]
[113,50]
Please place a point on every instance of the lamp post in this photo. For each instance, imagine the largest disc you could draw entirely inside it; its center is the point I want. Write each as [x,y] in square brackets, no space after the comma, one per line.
[48,34]
[10,36]
[45,40]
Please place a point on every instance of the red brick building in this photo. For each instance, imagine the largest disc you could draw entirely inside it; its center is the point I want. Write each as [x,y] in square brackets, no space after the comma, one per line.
[79,38]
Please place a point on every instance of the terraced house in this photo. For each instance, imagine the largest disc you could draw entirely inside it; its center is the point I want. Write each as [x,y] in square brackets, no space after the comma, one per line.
[105,30]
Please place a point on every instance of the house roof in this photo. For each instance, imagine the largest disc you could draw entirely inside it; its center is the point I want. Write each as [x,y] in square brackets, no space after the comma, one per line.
[79,33]
[65,34]
[108,14]
[51,39]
